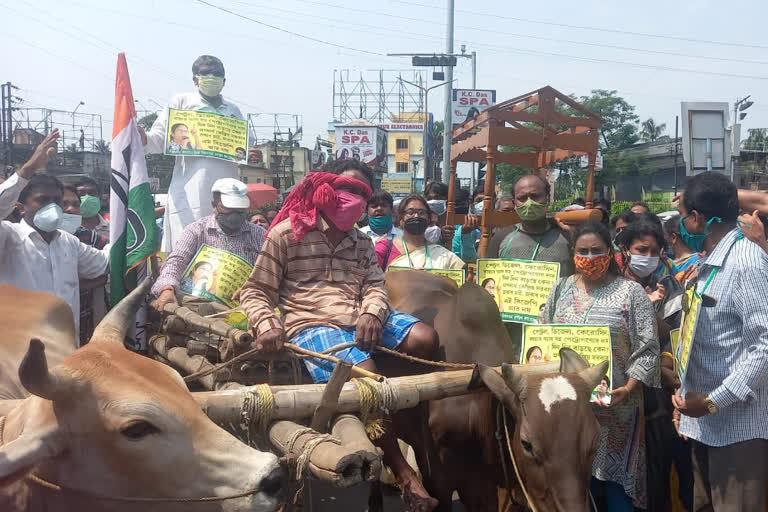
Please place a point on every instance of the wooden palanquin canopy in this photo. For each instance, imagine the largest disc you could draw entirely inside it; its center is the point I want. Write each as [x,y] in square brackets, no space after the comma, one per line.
[534,131]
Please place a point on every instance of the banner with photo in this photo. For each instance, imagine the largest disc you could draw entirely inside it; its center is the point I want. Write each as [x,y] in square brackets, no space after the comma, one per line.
[520,287]
[196,133]
[215,274]
[542,343]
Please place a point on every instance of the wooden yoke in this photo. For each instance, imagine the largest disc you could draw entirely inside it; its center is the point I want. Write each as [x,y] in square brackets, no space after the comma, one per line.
[534,130]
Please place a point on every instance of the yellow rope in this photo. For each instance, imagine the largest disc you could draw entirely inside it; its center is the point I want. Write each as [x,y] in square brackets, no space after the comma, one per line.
[265,406]
[369,405]
[514,465]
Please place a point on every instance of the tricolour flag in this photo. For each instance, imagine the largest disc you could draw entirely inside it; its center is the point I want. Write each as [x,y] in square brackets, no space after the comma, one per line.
[132,228]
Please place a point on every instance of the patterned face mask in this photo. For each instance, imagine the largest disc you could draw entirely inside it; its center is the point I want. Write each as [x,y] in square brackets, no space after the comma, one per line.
[592,267]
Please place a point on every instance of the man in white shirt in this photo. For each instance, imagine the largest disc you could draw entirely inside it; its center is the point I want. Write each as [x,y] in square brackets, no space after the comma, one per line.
[193,176]
[35,254]
[380,218]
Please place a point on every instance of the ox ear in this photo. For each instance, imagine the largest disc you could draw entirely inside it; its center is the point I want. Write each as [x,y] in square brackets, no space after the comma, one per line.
[495,383]
[27,450]
[571,362]
[592,376]
[515,379]
[35,376]
[114,326]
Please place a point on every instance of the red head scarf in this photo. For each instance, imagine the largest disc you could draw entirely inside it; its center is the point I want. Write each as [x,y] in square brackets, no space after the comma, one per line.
[315,193]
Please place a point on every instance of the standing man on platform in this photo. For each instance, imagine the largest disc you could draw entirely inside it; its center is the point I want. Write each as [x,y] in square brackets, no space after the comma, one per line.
[193,176]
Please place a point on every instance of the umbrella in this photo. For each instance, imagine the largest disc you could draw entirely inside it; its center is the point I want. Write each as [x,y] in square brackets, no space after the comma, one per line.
[261,194]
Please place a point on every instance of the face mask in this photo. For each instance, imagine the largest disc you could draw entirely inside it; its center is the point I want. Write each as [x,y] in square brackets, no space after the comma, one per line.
[380,224]
[643,266]
[592,267]
[349,207]
[531,210]
[89,206]
[231,222]
[70,223]
[416,225]
[210,85]
[477,208]
[48,218]
[696,240]
[433,234]
[437,206]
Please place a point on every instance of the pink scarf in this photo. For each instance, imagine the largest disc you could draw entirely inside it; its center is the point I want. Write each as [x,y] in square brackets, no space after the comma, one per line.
[316,193]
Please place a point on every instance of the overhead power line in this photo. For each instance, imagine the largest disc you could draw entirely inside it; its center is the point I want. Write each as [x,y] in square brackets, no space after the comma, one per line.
[503,33]
[585,27]
[274,27]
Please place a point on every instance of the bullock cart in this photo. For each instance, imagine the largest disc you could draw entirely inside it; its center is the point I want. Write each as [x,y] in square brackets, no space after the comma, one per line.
[268,400]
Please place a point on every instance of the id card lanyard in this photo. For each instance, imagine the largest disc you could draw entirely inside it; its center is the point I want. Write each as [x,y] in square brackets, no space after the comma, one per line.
[427,257]
[509,242]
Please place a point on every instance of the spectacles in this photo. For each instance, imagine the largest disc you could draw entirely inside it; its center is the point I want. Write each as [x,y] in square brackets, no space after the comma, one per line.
[411,212]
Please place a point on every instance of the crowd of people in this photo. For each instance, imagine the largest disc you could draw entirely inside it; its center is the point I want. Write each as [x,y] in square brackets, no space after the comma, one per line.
[320,260]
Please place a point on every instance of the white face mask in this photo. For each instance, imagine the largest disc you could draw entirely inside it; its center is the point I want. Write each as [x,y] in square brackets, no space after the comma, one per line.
[70,223]
[437,206]
[48,218]
[433,234]
[643,266]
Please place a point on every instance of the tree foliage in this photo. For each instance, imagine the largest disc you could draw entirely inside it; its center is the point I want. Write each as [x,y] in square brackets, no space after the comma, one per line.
[147,121]
[757,140]
[650,131]
[101,146]
[618,129]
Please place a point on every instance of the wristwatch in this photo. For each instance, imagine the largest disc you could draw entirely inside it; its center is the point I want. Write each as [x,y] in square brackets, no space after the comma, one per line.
[711,407]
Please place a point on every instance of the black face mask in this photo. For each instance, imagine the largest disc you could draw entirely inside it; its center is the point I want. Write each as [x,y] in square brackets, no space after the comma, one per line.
[416,225]
[462,209]
[231,221]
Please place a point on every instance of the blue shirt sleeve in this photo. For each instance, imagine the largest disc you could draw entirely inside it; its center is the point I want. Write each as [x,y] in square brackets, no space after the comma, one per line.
[463,244]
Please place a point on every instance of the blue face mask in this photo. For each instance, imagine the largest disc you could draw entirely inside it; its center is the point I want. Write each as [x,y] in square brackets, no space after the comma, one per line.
[477,208]
[380,224]
[696,240]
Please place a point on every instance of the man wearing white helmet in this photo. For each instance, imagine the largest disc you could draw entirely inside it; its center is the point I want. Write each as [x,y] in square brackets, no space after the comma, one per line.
[227,229]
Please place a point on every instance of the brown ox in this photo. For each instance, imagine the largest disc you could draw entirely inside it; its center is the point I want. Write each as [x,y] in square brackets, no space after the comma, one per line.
[554,431]
[107,422]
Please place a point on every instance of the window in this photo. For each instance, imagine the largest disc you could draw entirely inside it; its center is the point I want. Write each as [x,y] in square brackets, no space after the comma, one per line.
[402,166]
[401,144]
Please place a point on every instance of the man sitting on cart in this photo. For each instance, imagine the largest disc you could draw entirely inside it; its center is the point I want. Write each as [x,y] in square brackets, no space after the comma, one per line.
[227,229]
[324,277]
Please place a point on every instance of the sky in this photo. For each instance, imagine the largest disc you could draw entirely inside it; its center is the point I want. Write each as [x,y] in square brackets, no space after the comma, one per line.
[654,53]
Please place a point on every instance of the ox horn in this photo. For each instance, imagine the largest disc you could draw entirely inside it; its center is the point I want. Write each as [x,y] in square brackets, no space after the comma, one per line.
[571,362]
[592,376]
[114,326]
[35,376]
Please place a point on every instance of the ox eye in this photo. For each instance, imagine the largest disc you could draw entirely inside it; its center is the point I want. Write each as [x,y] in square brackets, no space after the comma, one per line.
[139,430]
[527,446]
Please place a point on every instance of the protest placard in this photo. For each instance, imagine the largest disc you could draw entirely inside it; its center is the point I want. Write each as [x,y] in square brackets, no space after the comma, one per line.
[592,342]
[520,287]
[215,274]
[691,307]
[456,275]
[196,133]
[674,338]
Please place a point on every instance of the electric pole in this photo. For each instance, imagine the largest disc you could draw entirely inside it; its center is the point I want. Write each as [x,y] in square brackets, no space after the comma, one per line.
[6,119]
[448,120]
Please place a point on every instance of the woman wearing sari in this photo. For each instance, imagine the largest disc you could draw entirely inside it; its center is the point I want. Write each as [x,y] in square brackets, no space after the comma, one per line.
[598,294]
[412,250]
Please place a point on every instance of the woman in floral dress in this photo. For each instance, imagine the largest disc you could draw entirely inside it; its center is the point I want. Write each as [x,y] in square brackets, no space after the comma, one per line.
[597,294]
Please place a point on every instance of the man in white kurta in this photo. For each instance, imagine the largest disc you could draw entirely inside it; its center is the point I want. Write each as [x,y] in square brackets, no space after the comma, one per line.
[193,177]
[34,254]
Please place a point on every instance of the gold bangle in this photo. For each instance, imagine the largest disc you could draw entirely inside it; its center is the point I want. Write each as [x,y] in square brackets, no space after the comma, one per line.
[669,355]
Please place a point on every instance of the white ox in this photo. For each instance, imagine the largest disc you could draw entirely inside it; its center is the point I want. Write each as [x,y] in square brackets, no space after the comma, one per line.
[106,422]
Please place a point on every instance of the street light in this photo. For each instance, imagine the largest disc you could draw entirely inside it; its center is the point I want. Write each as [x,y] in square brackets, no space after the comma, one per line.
[73,114]
[425,136]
